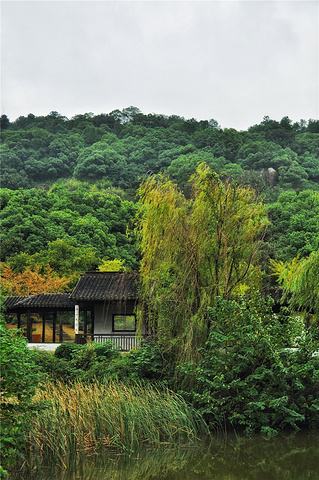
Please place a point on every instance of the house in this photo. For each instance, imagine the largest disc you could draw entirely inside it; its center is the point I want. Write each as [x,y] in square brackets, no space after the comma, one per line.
[111,298]
[104,306]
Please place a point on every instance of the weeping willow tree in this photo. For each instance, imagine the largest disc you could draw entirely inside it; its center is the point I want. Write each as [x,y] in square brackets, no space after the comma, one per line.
[300,282]
[192,251]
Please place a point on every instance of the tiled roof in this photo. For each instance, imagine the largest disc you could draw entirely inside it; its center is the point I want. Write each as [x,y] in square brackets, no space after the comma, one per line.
[92,286]
[12,301]
[106,286]
[42,300]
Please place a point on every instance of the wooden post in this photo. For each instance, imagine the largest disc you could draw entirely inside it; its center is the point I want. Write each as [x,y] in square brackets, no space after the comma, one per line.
[54,326]
[60,332]
[29,326]
[76,319]
[92,321]
[43,327]
[19,319]
[85,316]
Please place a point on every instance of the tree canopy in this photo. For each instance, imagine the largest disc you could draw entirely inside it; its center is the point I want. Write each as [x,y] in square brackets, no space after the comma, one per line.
[69,185]
[50,237]
[300,280]
[194,250]
[123,146]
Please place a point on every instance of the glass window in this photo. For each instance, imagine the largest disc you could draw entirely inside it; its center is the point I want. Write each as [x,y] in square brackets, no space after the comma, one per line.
[124,323]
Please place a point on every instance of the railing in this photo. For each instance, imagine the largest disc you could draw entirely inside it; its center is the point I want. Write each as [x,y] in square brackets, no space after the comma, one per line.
[121,342]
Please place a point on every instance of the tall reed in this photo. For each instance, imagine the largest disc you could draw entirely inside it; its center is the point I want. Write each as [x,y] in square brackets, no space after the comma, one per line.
[84,418]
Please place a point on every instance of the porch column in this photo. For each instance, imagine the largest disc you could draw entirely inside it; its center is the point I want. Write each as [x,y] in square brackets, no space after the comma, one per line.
[54,326]
[60,332]
[85,314]
[29,326]
[76,319]
[43,327]
[92,320]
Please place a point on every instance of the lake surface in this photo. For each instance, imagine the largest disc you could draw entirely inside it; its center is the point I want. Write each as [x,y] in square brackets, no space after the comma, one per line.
[235,458]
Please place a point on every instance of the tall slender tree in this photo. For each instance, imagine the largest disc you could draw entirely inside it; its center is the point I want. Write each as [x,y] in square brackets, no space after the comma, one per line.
[300,281]
[193,251]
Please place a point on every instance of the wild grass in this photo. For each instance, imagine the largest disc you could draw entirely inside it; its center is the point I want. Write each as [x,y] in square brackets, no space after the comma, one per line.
[83,419]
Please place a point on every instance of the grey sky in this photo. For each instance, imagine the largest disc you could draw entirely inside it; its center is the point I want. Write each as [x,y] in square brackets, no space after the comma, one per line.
[235,61]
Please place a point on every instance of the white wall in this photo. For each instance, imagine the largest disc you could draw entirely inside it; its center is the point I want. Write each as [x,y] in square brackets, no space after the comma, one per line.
[103,314]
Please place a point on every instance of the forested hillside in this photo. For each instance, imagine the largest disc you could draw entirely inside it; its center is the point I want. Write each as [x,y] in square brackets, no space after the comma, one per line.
[120,147]
[229,215]
[69,185]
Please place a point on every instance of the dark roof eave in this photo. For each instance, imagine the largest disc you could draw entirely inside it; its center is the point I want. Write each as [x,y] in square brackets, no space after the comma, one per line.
[40,302]
[104,299]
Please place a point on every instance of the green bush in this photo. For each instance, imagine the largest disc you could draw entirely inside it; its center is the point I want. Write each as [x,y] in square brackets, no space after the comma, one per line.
[67,351]
[143,363]
[247,379]
[56,369]
[81,358]
[107,370]
[106,351]
[3,473]
[101,361]
[19,381]
[84,358]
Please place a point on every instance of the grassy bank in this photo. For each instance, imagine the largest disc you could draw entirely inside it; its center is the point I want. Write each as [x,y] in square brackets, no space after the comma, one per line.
[82,418]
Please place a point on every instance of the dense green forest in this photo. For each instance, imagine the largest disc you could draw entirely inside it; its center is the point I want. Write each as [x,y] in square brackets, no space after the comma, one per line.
[69,185]
[123,146]
[211,217]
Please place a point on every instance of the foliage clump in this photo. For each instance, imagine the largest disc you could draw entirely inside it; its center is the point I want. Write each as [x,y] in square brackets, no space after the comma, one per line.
[194,250]
[31,282]
[300,281]
[98,362]
[247,378]
[67,351]
[20,377]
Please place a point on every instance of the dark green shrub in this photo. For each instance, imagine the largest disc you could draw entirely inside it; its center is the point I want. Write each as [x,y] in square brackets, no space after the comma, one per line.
[84,358]
[106,351]
[108,370]
[67,351]
[56,369]
[19,380]
[247,379]
[145,362]
[3,473]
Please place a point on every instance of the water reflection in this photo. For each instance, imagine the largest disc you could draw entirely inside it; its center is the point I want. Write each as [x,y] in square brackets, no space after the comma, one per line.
[293,458]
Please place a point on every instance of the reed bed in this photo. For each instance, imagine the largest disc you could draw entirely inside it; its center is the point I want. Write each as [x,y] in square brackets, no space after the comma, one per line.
[84,418]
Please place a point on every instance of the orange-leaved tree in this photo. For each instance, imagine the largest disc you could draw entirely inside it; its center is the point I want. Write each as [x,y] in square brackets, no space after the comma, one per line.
[31,282]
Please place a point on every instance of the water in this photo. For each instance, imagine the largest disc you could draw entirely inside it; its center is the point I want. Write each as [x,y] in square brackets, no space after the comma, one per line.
[237,458]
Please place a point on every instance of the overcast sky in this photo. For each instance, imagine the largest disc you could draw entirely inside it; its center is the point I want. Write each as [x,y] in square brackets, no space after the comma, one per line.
[234,61]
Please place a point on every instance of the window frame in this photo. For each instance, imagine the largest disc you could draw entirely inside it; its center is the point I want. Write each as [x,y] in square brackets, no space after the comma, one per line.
[123,315]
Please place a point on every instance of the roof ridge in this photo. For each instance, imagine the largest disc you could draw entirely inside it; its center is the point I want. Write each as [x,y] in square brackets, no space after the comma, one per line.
[95,272]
